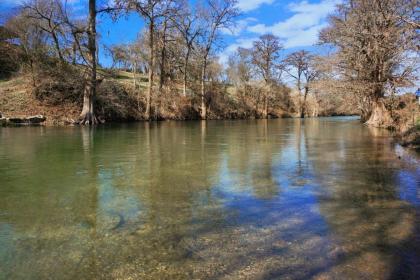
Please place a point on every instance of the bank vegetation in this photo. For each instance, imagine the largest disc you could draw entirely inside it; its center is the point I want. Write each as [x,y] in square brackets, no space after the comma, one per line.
[49,65]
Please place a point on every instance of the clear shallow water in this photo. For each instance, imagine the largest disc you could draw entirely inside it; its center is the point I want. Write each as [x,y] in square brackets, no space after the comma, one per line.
[280,199]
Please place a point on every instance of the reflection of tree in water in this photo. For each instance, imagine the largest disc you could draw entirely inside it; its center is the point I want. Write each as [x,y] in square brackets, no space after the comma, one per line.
[249,151]
[203,200]
[259,238]
[187,232]
[359,200]
[263,183]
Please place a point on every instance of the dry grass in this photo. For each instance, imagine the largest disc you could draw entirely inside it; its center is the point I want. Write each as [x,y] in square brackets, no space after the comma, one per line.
[17,100]
[62,104]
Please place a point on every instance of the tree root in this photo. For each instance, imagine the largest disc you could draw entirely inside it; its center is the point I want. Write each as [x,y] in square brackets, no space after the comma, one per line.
[89,119]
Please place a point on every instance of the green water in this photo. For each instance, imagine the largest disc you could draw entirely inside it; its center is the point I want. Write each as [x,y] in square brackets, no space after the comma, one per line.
[321,198]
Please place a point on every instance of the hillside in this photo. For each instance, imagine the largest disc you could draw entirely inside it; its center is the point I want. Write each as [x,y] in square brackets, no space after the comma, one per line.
[18,98]
[59,98]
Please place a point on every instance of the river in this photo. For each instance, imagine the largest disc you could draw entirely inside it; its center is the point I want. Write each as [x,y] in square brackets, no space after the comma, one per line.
[325,198]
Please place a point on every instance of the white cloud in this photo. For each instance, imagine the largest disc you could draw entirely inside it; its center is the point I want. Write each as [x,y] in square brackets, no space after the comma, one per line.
[242,42]
[299,30]
[239,26]
[302,28]
[307,37]
[249,5]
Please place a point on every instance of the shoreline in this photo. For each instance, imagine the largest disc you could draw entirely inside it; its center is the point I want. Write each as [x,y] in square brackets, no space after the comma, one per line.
[40,120]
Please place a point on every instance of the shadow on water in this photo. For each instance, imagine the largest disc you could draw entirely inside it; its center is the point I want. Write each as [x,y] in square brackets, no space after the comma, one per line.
[278,199]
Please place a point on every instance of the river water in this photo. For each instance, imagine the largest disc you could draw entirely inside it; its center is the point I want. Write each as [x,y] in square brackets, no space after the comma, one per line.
[323,198]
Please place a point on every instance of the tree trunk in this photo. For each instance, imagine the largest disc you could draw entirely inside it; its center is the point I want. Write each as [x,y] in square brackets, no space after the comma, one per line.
[266,94]
[87,116]
[151,73]
[303,105]
[31,65]
[203,113]
[162,58]
[134,75]
[74,49]
[380,116]
[265,112]
[57,46]
[265,108]
[185,71]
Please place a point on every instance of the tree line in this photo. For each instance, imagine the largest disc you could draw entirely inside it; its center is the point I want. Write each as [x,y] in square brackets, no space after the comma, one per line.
[374,53]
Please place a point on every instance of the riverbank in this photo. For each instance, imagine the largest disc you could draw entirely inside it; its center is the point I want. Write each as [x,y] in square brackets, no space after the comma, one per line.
[119,101]
[59,99]
[410,138]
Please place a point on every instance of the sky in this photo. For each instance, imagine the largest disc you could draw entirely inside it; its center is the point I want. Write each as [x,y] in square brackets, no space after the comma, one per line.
[296,22]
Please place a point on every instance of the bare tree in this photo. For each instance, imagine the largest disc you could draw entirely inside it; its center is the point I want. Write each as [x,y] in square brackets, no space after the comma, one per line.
[187,24]
[299,65]
[265,57]
[166,37]
[152,11]
[240,67]
[49,16]
[240,72]
[216,14]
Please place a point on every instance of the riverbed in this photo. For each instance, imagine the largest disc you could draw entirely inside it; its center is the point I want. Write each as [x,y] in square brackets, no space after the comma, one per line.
[322,198]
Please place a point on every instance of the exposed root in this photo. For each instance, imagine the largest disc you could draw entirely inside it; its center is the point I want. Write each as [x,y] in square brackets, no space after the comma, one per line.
[88,119]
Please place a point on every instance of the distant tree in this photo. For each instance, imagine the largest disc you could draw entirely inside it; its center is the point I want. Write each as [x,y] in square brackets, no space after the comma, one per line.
[50,17]
[31,41]
[152,11]
[188,26]
[119,56]
[300,66]
[266,58]
[9,53]
[215,15]
[239,73]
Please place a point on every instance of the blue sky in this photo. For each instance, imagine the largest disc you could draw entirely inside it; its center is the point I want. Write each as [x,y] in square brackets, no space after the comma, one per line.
[295,22]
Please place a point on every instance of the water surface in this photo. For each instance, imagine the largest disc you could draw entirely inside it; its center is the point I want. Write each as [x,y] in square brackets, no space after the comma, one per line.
[320,198]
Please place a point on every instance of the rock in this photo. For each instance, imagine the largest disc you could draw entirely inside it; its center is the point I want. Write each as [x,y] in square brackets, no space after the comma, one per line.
[26,121]
[36,119]
[16,120]
[3,121]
